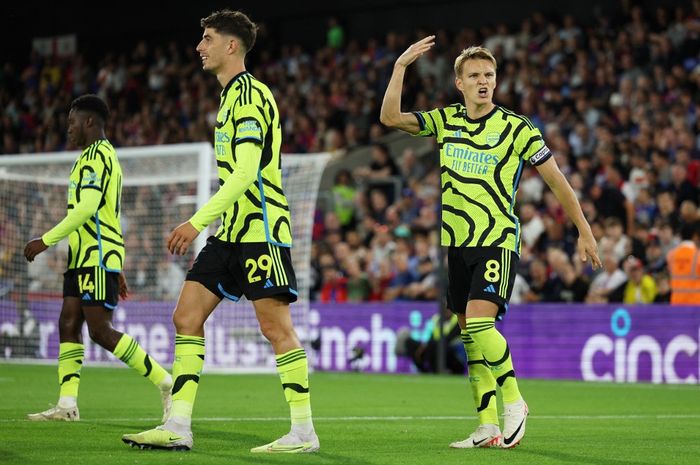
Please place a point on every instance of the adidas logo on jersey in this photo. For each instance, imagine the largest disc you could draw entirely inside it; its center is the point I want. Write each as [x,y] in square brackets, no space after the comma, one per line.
[268,283]
[86,296]
[490,288]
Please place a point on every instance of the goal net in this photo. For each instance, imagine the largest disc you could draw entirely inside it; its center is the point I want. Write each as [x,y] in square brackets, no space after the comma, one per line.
[163,186]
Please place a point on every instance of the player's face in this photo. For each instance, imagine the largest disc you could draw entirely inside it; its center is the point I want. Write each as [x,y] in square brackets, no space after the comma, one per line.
[477,82]
[212,49]
[76,128]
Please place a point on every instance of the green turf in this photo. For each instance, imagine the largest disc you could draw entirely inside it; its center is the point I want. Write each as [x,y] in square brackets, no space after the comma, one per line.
[571,422]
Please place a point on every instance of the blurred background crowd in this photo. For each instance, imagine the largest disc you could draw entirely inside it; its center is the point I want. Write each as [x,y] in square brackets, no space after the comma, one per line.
[615,97]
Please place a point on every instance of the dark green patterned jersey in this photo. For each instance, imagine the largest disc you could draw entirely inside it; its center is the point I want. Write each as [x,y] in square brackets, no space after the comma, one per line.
[98,241]
[481,161]
[248,113]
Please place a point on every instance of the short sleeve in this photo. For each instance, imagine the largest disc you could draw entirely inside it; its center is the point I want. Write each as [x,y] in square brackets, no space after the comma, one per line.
[429,122]
[530,145]
[249,123]
[92,171]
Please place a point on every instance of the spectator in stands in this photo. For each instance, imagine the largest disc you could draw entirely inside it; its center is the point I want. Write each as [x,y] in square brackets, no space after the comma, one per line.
[569,285]
[358,283]
[344,194]
[333,285]
[616,238]
[640,287]
[542,289]
[531,224]
[606,285]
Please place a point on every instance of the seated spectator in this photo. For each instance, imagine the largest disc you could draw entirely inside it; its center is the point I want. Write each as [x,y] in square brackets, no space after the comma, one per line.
[402,277]
[333,286]
[344,194]
[425,287]
[607,282]
[615,238]
[570,286]
[358,285]
[640,287]
[542,289]
[531,224]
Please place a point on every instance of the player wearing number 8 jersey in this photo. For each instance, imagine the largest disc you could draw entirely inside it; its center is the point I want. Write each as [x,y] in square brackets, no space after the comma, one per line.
[93,283]
[483,149]
[250,252]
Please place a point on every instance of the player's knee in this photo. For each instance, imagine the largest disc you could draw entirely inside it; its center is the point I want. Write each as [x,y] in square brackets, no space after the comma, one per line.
[69,326]
[274,332]
[101,335]
[187,322]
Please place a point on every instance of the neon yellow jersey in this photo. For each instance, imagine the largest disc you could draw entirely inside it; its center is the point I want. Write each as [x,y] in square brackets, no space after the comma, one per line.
[481,161]
[248,113]
[98,241]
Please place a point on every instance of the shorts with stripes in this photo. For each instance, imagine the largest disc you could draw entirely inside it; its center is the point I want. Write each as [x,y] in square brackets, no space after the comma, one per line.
[485,273]
[254,269]
[93,285]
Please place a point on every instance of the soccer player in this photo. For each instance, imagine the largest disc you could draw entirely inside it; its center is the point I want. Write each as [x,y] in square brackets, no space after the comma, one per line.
[250,253]
[483,148]
[94,281]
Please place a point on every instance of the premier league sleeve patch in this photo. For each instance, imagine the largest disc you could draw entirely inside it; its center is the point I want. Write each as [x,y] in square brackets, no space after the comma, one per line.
[248,130]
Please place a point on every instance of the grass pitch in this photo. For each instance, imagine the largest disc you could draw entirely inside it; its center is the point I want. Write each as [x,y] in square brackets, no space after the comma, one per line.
[361,419]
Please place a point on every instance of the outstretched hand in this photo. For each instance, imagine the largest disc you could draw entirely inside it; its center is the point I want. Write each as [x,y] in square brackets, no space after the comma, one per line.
[415,51]
[587,247]
[34,248]
[181,238]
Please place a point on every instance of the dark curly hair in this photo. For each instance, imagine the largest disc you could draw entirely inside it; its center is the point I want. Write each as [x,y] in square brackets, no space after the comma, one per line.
[93,104]
[234,23]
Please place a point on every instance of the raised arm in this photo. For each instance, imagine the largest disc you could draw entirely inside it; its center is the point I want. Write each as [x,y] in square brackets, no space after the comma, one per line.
[391,114]
[565,194]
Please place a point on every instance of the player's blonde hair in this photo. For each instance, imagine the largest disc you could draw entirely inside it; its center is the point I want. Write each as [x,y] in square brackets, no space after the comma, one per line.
[473,53]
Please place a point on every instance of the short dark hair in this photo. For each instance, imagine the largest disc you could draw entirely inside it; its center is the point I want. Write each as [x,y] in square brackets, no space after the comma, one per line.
[689,230]
[234,23]
[93,104]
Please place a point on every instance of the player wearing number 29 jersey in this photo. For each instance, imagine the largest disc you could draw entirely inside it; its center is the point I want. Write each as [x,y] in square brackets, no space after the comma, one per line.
[250,252]
[248,114]
[483,149]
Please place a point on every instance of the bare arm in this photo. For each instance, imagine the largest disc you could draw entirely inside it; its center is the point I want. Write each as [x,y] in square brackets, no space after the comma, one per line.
[391,114]
[565,194]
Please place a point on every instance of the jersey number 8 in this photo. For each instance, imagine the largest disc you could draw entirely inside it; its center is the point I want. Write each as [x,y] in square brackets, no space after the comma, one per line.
[492,273]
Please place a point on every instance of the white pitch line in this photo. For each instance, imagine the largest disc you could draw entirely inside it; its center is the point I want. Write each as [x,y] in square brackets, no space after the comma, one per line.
[391,418]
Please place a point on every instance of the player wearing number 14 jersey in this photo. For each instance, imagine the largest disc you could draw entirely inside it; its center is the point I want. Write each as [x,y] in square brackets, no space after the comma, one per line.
[250,252]
[93,283]
[483,149]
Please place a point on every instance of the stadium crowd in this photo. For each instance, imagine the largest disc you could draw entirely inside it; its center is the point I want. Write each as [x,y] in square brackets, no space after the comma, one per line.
[616,100]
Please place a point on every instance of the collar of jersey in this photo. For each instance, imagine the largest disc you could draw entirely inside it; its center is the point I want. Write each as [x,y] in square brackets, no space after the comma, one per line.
[96,141]
[230,83]
[483,118]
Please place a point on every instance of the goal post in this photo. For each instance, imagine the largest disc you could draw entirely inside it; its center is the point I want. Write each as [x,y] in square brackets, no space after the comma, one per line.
[162,187]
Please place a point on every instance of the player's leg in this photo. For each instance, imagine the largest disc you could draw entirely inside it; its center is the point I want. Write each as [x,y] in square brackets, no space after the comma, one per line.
[100,295]
[70,361]
[271,290]
[491,287]
[207,282]
[194,306]
[276,325]
[481,380]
